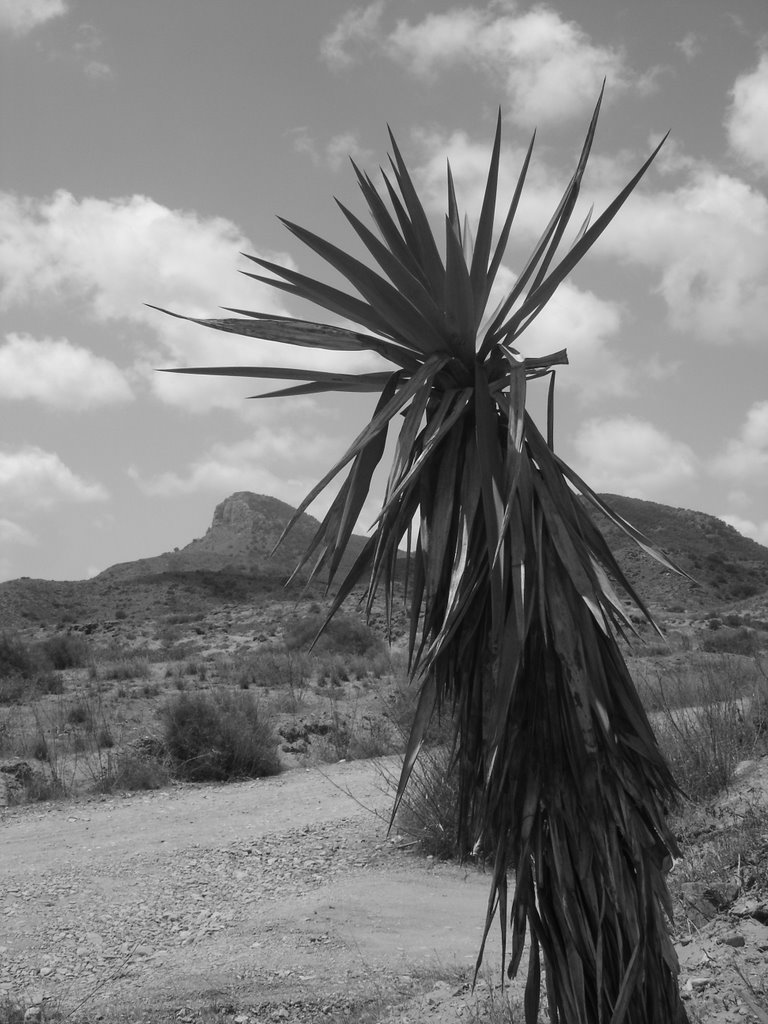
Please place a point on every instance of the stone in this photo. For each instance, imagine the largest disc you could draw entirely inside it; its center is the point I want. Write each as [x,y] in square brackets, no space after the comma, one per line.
[698,905]
[735,939]
[697,984]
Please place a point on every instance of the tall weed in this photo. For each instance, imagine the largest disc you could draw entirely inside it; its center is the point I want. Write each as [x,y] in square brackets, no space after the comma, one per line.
[219,736]
[708,715]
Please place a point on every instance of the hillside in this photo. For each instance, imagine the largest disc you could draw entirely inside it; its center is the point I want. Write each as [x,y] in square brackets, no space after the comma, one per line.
[231,564]
[244,530]
[727,567]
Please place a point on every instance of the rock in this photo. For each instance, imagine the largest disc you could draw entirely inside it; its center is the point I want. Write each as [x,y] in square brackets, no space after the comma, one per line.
[439,993]
[697,984]
[698,905]
[727,894]
[16,776]
[33,1014]
[748,906]
[735,939]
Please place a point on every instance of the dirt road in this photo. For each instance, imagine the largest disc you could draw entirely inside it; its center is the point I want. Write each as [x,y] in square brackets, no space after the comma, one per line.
[278,899]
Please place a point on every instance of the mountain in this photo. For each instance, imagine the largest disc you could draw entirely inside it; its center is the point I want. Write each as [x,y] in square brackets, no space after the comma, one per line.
[244,530]
[726,566]
[231,565]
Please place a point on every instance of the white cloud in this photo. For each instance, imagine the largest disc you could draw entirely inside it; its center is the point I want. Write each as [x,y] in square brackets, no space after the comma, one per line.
[98,70]
[11,533]
[116,255]
[585,325]
[277,459]
[59,374]
[690,46]
[705,241]
[626,455]
[550,67]
[360,25]
[708,240]
[335,153]
[745,458]
[87,48]
[33,477]
[747,116]
[22,16]
[749,528]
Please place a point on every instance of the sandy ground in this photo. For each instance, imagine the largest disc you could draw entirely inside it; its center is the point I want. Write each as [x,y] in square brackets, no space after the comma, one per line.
[278,899]
[282,894]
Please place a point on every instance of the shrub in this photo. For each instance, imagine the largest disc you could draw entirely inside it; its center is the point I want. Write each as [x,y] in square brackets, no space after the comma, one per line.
[333,671]
[81,713]
[49,682]
[273,668]
[707,725]
[219,739]
[371,737]
[428,812]
[731,641]
[11,1011]
[16,659]
[13,689]
[132,770]
[128,668]
[16,689]
[343,635]
[28,785]
[66,650]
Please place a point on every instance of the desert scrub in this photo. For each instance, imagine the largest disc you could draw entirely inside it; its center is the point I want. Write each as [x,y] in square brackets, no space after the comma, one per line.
[132,667]
[217,737]
[343,635]
[705,727]
[428,811]
[16,658]
[272,668]
[66,650]
[727,640]
[141,766]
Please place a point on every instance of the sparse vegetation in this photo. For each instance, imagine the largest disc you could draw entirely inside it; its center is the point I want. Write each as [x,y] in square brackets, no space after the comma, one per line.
[16,659]
[428,812]
[219,737]
[708,714]
[343,635]
[66,650]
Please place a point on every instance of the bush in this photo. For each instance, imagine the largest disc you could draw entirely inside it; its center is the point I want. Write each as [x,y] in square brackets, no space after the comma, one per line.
[21,678]
[707,725]
[271,668]
[132,667]
[731,641]
[342,635]
[16,659]
[66,650]
[428,812]
[132,770]
[219,739]
[81,713]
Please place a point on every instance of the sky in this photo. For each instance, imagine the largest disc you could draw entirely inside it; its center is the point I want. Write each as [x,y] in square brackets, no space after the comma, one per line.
[146,145]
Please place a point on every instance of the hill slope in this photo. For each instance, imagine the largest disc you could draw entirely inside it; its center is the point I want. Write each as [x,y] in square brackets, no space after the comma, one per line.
[241,537]
[726,566]
[231,564]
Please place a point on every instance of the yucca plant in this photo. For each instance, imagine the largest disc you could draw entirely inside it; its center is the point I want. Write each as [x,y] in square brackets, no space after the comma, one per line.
[513,613]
